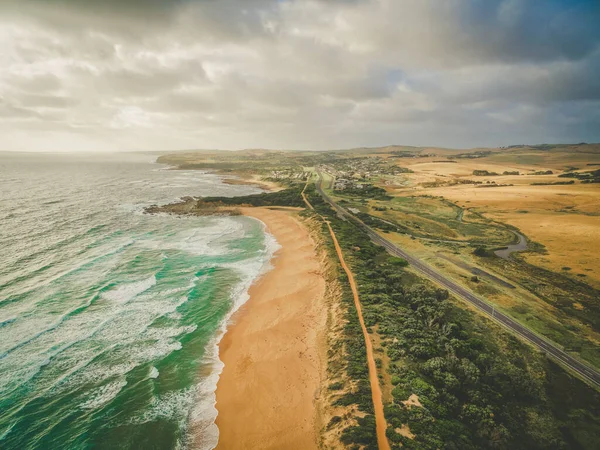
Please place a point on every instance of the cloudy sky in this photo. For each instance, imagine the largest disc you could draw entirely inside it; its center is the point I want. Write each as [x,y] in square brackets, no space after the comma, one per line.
[88,75]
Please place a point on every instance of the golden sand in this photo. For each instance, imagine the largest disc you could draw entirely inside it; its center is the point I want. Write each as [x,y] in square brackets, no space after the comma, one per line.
[266,395]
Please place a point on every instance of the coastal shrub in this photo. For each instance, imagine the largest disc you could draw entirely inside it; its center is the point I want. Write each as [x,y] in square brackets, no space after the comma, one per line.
[367,191]
[484,173]
[482,252]
[287,197]
[334,420]
[363,434]
[479,387]
[336,386]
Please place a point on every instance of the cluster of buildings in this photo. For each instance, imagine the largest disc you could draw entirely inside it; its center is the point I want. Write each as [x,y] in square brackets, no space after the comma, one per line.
[341,184]
[288,174]
[362,168]
[354,173]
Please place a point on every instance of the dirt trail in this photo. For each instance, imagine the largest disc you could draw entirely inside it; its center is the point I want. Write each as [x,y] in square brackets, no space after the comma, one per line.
[380,422]
[304,195]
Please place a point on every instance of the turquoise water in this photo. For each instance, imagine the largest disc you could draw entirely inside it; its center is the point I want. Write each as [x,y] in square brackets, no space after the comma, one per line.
[109,318]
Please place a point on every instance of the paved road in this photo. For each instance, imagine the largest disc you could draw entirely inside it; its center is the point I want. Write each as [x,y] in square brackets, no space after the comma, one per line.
[590,374]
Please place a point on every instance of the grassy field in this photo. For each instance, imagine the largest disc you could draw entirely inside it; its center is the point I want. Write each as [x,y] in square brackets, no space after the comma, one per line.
[541,300]
[564,218]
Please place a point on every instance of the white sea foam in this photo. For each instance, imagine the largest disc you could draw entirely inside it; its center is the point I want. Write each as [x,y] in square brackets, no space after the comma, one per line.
[201,241]
[7,430]
[127,291]
[135,355]
[195,407]
[166,167]
[43,280]
[169,332]
[102,395]
[208,240]
[136,208]
[88,345]
[174,407]
[204,412]
[127,334]
[68,337]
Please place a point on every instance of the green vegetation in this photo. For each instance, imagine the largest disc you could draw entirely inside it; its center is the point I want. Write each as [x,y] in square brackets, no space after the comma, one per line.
[576,304]
[484,173]
[367,191]
[479,386]
[431,218]
[364,167]
[493,185]
[592,176]
[376,222]
[266,163]
[401,154]
[554,183]
[483,252]
[287,197]
[472,155]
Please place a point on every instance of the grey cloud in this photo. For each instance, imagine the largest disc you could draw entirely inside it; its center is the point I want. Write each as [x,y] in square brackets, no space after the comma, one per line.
[46,101]
[312,73]
[137,19]
[459,32]
[517,30]
[136,82]
[524,83]
[9,111]
[38,83]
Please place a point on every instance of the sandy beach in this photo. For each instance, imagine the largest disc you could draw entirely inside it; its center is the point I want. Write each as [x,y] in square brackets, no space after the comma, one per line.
[273,351]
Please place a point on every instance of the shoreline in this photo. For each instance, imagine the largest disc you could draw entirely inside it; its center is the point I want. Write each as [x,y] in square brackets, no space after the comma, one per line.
[234,178]
[272,350]
[203,431]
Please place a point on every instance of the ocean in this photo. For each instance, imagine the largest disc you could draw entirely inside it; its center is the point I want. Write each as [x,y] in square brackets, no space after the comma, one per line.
[110,318]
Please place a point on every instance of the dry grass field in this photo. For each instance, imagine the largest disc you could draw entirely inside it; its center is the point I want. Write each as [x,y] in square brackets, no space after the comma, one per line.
[565,219]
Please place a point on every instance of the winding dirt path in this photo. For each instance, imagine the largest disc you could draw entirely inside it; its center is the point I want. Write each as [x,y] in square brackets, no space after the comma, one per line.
[304,196]
[380,423]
